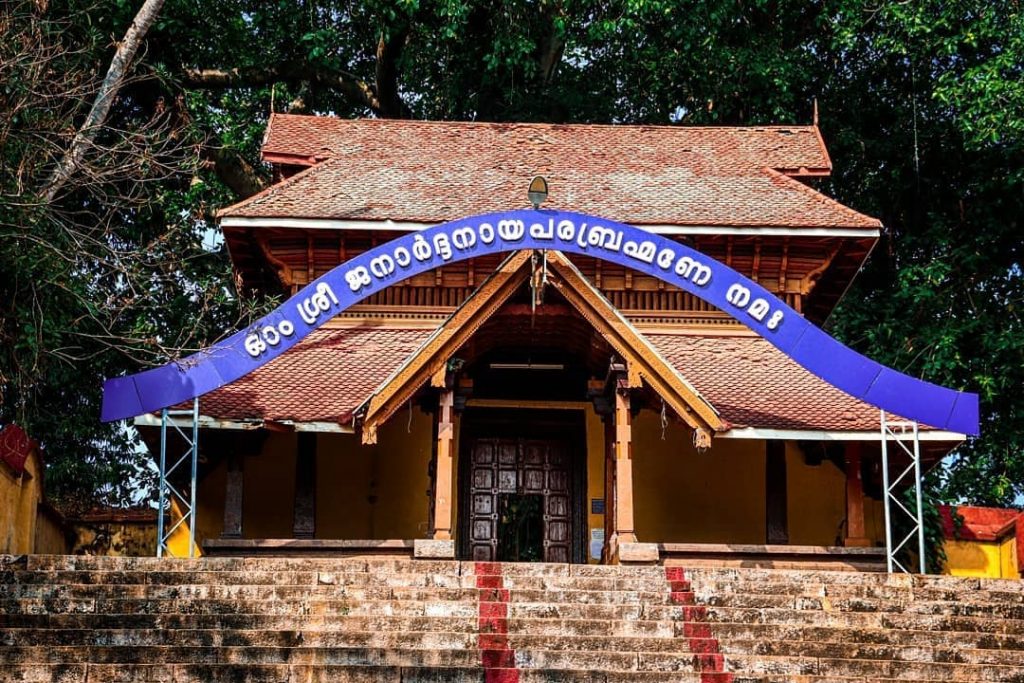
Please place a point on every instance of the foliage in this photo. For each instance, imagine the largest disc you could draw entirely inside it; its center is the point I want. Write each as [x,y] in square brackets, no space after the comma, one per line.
[922,105]
[109,276]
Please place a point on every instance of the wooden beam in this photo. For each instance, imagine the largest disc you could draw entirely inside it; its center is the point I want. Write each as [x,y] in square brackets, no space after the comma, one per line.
[432,358]
[443,471]
[856,533]
[643,361]
[282,269]
[784,266]
[309,257]
[608,552]
[624,531]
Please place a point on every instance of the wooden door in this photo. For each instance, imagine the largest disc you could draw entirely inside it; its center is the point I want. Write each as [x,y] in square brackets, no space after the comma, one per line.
[527,467]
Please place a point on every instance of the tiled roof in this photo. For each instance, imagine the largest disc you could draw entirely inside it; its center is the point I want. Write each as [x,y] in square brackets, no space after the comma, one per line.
[753,384]
[321,379]
[314,138]
[416,171]
[329,374]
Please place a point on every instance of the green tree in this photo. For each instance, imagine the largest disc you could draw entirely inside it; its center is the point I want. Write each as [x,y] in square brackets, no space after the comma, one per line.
[921,105]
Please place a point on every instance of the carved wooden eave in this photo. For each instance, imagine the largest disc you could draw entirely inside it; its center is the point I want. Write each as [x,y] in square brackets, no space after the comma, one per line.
[645,365]
[431,360]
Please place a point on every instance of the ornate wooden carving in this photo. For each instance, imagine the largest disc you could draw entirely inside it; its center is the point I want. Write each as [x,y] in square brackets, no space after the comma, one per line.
[642,360]
[431,358]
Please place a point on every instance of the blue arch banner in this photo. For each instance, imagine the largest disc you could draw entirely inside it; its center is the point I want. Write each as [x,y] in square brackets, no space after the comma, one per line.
[632,247]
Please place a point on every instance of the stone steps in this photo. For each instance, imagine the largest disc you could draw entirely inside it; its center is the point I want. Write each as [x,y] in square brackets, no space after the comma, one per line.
[267,592]
[870,636]
[231,673]
[605,660]
[395,619]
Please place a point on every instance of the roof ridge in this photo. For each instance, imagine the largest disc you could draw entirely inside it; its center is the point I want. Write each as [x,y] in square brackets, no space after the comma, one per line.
[867,220]
[550,124]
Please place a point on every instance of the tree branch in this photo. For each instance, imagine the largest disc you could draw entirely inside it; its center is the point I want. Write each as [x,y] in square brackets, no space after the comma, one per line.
[235,171]
[123,57]
[388,51]
[351,87]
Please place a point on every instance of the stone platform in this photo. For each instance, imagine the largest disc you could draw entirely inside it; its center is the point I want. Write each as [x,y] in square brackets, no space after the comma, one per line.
[358,619]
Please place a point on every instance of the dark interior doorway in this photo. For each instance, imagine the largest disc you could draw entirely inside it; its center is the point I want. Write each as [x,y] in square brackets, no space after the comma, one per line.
[520,527]
[522,477]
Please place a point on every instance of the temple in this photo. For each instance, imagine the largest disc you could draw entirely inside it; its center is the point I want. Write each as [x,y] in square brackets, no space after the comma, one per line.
[538,404]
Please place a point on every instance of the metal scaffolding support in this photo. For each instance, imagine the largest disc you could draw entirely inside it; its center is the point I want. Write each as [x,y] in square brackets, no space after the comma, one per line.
[905,435]
[167,493]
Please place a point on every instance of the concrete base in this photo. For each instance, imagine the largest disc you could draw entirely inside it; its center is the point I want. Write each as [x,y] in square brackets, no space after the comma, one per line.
[427,549]
[638,553]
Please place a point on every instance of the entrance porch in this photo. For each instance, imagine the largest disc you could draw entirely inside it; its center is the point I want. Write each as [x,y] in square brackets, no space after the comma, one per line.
[538,423]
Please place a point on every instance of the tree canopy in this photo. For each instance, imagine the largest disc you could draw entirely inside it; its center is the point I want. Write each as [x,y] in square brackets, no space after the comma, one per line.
[921,105]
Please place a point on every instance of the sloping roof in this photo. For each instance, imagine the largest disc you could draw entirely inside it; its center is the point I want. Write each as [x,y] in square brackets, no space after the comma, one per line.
[753,384]
[321,379]
[333,371]
[305,140]
[646,365]
[377,170]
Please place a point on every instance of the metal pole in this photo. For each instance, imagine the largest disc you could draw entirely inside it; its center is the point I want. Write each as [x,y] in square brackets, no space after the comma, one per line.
[886,493]
[195,470]
[160,502]
[920,506]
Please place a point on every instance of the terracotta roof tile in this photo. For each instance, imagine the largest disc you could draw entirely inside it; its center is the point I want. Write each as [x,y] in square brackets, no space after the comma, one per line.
[321,379]
[390,170]
[749,381]
[753,384]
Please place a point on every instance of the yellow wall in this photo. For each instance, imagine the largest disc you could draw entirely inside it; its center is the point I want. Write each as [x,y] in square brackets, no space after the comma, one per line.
[681,496]
[363,492]
[381,491]
[119,539]
[595,477]
[50,538]
[816,500]
[19,501]
[983,559]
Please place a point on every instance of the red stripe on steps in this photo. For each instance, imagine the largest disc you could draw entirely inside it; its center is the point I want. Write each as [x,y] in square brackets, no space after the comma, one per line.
[498,659]
[707,659]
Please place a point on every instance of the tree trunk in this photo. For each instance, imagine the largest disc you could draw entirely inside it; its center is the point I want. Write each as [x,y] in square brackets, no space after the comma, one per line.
[119,65]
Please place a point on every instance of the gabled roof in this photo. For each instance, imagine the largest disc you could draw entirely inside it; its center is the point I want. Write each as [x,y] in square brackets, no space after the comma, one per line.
[334,371]
[389,170]
[307,140]
[321,379]
[754,384]
[645,364]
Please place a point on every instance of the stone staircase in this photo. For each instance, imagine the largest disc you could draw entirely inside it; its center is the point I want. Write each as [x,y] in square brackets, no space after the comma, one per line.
[347,620]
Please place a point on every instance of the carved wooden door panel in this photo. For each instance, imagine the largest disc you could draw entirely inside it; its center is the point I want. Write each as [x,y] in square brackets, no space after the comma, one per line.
[546,464]
[483,500]
[525,467]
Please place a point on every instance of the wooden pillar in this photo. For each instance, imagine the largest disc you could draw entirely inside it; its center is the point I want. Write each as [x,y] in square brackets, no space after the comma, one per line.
[304,525]
[856,534]
[624,531]
[607,553]
[776,494]
[233,496]
[443,471]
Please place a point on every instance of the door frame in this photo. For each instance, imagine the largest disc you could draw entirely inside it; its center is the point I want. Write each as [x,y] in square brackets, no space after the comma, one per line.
[563,423]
